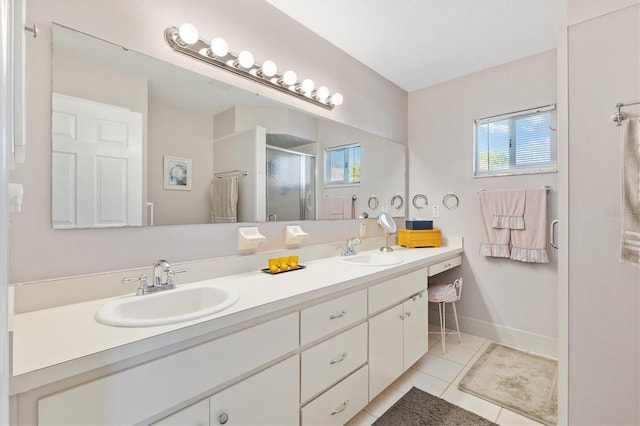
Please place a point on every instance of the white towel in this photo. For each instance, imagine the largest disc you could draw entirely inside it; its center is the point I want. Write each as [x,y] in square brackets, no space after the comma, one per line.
[630,244]
[495,241]
[530,244]
[337,207]
[224,200]
[508,205]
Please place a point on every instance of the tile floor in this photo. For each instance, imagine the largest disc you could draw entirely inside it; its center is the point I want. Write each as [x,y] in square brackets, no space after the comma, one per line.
[439,375]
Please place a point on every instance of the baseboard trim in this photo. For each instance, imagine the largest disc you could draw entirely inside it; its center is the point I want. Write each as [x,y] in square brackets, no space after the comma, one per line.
[520,339]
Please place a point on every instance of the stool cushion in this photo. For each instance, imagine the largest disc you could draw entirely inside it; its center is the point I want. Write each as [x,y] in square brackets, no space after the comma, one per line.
[439,293]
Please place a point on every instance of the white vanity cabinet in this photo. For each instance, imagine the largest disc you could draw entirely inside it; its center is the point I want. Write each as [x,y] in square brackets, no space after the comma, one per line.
[267,398]
[194,415]
[134,395]
[270,397]
[334,378]
[398,336]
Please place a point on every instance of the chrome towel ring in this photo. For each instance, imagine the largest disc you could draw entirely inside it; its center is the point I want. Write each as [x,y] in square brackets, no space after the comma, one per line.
[397,202]
[450,200]
[418,197]
[373,202]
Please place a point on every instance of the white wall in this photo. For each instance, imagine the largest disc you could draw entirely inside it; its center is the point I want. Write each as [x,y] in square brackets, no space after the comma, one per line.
[497,292]
[180,133]
[139,25]
[604,306]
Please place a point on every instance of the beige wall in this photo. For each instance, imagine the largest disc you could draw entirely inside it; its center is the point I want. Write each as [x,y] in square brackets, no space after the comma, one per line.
[604,306]
[180,133]
[38,252]
[500,296]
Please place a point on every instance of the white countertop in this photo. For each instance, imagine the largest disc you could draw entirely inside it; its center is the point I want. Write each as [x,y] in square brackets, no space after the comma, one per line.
[52,344]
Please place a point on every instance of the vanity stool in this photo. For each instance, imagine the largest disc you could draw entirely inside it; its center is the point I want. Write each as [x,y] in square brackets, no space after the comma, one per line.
[443,294]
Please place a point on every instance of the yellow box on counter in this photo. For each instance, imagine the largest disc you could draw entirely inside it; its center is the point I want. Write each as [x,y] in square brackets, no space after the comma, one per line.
[423,238]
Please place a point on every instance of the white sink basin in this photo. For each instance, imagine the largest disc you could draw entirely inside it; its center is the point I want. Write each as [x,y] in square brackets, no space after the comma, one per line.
[372,259]
[181,304]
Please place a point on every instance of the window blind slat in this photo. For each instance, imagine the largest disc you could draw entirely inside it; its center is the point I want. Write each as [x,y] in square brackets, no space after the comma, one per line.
[522,141]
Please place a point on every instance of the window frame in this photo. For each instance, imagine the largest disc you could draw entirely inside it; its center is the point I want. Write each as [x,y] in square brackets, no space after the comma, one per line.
[327,169]
[513,170]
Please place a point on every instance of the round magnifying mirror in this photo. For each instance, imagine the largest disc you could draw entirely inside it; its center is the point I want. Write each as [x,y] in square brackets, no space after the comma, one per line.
[388,225]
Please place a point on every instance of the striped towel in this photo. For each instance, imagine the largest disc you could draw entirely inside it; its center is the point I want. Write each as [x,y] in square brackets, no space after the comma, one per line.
[630,244]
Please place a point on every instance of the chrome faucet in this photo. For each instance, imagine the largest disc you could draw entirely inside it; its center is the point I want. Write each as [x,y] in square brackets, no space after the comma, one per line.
[159,267]
[349,248]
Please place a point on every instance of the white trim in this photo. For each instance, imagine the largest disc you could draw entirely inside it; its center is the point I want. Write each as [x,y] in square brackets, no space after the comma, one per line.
[562,144]
[519,339]
[6,139]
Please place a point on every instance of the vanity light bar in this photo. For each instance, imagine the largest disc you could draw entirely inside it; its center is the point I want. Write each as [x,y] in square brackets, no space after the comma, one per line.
[186,40]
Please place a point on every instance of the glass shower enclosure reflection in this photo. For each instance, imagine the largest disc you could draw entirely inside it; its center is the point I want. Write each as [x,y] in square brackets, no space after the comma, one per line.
[291,185]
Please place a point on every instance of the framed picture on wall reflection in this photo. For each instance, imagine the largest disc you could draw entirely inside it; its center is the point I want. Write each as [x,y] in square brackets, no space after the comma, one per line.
[177,173]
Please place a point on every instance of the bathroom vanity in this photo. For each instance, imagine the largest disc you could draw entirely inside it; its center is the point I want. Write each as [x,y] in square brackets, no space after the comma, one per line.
[312,346]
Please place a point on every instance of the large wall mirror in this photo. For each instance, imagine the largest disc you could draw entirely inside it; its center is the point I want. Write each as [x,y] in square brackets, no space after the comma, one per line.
[138,141]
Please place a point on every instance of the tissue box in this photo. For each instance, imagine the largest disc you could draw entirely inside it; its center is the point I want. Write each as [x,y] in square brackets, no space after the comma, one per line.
[426,238]
[419,225]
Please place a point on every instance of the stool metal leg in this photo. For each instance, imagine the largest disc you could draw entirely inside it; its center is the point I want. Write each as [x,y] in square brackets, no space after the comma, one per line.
[442,309]
[455,315]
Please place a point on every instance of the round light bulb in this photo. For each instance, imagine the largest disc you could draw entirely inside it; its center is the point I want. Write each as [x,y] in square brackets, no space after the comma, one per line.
[269,68]
[219,47]
[307,85]
[322,93]
[337,99]
[289,78]
[245,59]
[188,33]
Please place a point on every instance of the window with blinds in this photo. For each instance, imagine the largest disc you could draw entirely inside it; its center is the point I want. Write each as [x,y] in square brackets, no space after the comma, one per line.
[342,165]
[516,143]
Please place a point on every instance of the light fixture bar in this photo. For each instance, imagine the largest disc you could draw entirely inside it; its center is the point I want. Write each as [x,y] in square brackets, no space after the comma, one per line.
[201,50]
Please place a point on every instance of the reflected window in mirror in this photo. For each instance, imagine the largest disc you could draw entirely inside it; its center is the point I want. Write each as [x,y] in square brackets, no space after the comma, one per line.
[342,165]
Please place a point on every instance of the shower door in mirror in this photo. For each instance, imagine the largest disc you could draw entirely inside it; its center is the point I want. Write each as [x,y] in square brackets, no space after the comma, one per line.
[291,185]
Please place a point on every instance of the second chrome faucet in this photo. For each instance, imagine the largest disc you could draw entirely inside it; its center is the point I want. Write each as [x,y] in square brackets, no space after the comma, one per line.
[349,248]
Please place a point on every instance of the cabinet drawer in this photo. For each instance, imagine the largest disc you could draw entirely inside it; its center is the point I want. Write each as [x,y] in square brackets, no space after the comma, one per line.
[444,265]
[327,317]
[340,403]
[396,290]
[171,380]
[330,361]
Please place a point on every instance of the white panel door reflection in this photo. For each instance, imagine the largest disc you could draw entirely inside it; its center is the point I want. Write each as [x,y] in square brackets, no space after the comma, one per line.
[97,164]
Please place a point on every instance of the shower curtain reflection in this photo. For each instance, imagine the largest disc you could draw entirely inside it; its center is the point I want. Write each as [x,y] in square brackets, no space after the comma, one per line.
[291,186]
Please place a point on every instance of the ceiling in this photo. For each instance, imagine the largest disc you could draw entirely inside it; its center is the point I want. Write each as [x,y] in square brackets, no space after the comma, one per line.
[420,43]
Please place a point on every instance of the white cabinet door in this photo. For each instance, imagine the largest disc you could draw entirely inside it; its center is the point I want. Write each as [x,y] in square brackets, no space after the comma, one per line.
[194,415]
[385,349]
[416,329]
[270,397]
[398,337]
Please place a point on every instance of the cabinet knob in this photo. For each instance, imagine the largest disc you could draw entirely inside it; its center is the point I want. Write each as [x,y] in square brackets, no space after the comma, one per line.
[223,418]
[401,317]
[408,314]
[338,315]
[340,408]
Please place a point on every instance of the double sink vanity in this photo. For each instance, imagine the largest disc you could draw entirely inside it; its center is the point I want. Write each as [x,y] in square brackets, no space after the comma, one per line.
[311,346]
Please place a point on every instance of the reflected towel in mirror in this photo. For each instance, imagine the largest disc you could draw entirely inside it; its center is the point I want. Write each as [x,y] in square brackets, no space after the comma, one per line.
[337,207]
[224,200]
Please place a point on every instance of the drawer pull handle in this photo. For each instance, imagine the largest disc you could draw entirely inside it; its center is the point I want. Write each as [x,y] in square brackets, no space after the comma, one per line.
[340,408]
[446,265]
[341,314]
[223,418]
[338,358]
